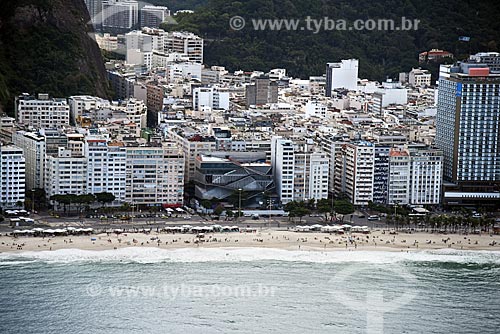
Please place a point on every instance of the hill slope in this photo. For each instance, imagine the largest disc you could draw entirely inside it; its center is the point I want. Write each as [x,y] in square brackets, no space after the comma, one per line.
[45,47]
[304,53]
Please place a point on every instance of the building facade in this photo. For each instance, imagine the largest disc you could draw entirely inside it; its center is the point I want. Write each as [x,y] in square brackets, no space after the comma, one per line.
[33,146]
[12,177]
[155,175]
[42,112]
[468,132]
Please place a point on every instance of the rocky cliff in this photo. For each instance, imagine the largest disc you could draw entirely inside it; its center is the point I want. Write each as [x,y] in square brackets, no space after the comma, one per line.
[45,46]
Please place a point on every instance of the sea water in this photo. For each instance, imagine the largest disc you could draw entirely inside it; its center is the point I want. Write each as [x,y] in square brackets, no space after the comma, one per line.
[249,290]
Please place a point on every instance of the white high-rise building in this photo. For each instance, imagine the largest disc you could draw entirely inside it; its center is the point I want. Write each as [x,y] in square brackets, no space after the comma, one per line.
[210,97]
[42,112]
[426,176]
[300,174]
[310,176]
[12,177]
[153,16]
[106,166]
[155,175]
[342,75]
[65,173]
[33,146]
[415,176]
[399,177]
[120,14]
[355,168]
[282,162]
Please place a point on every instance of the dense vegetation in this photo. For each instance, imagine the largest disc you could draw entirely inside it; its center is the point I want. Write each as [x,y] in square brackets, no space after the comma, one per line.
[45,47]
[304,53]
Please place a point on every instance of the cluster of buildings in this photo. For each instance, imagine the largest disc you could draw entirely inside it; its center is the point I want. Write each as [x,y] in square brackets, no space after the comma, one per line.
[123,15]
[180,133]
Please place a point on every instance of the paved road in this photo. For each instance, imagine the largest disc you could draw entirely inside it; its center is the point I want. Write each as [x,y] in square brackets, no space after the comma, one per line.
[140,223]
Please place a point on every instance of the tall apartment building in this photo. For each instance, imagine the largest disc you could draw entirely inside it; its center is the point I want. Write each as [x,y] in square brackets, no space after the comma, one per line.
[94,8]
[153,16]
[468,132]
[399,177]
[300,174]
[12,176]
[261,91]
[154,97]
[210,97]
[42,112]
[53,140]
[122,84]
[33,146]
[310,176]
[283,164]
[65,173]
[155,174]
[415,175]
[106,166]
[354,169]
[332,145]
[381,174]
[185,43]
[120,14]
[342,75]
[426,176]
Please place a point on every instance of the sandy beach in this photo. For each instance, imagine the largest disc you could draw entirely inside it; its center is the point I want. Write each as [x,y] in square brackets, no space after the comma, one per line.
[377,240]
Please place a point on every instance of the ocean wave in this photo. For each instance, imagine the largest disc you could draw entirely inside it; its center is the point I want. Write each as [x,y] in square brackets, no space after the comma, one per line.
[155,255]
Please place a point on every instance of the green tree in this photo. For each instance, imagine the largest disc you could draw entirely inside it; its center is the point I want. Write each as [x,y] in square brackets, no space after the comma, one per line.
[219,209]
[104,198]
[324,206]
[343,207]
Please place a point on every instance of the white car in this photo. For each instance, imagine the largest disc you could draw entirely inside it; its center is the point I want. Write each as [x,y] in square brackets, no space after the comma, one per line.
[375,217]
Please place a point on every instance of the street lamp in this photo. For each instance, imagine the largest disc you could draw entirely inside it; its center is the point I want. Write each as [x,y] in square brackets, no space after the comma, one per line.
[269,202]
[396,212]
[239,207]
[33,201]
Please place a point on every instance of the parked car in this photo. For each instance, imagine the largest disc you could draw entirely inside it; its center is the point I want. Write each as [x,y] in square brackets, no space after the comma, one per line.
[374,217]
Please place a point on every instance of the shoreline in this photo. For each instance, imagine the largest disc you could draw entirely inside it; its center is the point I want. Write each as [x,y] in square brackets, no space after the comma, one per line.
[267,239]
